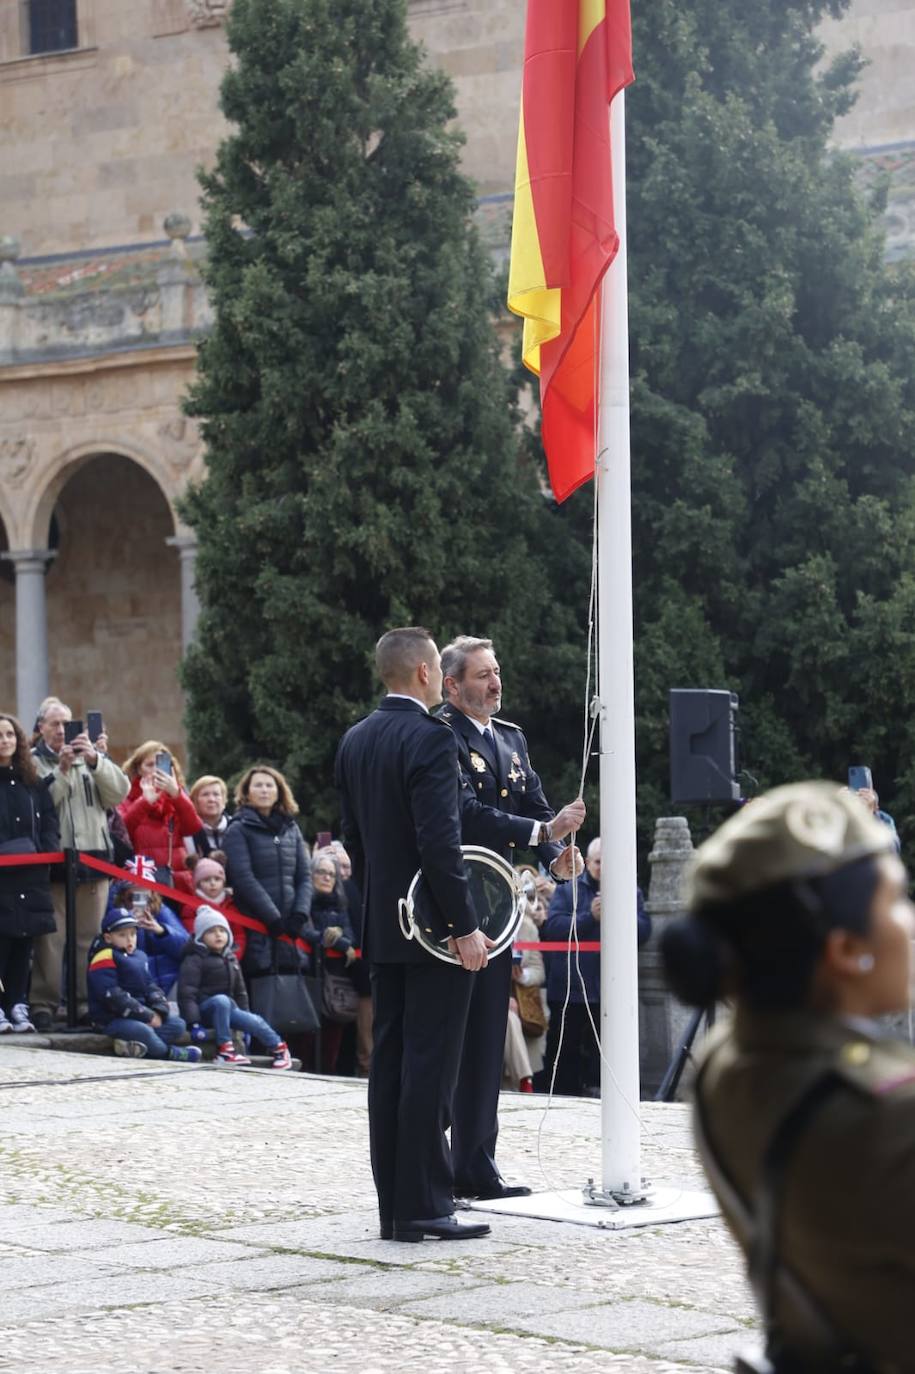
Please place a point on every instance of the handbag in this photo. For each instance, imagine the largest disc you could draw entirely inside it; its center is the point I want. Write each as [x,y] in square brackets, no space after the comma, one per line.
[530,1009]
[283,1000]
[339,999]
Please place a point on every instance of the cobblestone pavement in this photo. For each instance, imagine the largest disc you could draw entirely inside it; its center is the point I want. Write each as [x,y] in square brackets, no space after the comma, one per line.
[173,1220]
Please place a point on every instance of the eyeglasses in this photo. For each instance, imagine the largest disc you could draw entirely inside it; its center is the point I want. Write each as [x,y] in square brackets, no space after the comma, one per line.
[325,873]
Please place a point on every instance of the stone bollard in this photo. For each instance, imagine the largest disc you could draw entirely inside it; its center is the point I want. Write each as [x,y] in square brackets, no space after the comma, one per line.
[662,1019]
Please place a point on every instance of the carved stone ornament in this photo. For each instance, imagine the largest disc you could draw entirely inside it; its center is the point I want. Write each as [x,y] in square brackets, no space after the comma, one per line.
[206,14]
[15,456]
[180,444]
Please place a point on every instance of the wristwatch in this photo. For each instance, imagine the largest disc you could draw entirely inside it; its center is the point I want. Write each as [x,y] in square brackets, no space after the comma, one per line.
[546,832]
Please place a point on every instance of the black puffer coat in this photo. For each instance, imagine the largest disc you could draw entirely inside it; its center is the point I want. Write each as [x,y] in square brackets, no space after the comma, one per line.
[203,974]
[28,825]
[269,872]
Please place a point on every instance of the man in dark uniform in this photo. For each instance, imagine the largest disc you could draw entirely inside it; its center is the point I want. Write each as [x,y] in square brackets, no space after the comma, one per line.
[503,808]
[398,776]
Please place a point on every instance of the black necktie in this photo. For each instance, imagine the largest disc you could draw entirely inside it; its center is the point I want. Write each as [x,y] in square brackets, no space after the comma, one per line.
[490,740]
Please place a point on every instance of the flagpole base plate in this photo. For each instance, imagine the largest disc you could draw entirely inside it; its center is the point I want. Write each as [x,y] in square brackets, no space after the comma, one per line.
[667,1203]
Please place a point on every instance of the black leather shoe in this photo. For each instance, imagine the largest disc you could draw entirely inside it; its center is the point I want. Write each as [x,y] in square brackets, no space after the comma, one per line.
[497,1190]
[441,1228]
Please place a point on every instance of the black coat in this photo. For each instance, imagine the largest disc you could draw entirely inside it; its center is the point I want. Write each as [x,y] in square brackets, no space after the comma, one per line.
[269,872]
[28,825]
[204,973]
[397,772]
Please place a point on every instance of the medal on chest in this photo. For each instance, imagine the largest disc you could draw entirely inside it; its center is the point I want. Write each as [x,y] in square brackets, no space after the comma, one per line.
[477,762]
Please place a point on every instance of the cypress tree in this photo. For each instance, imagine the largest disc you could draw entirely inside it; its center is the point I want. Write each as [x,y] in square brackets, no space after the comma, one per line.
[364,468]
[773,396]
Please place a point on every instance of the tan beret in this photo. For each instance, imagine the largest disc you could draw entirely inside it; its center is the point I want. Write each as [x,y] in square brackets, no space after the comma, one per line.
[803,830]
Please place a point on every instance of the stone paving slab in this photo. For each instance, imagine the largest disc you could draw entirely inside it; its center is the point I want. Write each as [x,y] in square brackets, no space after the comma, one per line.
[195,1220]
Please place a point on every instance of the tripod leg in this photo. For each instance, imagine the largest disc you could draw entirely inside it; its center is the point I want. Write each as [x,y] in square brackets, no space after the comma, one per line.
[671,1079]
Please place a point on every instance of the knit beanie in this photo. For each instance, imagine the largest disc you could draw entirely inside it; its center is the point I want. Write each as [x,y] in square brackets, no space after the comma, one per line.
[207,868]
[207,917]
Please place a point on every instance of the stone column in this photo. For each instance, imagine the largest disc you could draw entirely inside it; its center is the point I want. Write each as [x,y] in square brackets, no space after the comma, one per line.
[31,630]
[186,544]
[661,1018]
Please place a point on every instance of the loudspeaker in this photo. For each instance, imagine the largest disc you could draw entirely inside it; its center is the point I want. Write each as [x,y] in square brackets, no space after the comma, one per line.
[703,755]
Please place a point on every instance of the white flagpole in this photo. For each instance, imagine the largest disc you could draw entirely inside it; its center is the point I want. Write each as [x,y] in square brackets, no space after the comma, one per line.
[620,1121]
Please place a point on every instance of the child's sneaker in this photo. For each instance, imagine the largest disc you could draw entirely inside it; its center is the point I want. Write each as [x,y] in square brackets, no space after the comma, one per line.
[185,1054]
[19,1018]
[129,1049]
[228,1054]
[282,1059]
[5,1025]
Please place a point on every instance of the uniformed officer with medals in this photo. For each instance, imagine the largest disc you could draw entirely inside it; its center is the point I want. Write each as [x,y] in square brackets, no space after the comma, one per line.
[503,808]
[805,1112]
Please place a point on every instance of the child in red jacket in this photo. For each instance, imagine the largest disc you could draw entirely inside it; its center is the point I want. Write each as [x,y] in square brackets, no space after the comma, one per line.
[209,877]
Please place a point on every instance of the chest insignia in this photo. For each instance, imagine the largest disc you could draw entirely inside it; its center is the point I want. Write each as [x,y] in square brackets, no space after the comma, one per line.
[516,772]
[477,762]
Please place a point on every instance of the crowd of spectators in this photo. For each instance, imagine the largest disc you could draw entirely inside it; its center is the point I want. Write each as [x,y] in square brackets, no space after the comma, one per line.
[273,904]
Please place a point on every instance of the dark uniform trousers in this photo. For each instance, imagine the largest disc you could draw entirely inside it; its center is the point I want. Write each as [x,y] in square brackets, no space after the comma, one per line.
[501,795]
[420,1015]
[397,771]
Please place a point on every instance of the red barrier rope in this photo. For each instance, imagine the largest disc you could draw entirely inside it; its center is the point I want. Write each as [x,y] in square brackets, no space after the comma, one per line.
[249,922]
[15,860]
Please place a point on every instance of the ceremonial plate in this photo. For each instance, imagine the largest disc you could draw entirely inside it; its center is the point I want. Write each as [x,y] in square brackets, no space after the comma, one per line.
[497,895]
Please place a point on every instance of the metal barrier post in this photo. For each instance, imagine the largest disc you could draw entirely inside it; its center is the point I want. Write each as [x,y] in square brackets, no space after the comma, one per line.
[70,871]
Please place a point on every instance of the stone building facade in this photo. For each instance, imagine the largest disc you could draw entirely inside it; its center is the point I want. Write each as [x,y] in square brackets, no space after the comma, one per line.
[107,107]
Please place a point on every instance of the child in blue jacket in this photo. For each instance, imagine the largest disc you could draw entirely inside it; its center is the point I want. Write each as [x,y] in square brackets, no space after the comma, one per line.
[124,999]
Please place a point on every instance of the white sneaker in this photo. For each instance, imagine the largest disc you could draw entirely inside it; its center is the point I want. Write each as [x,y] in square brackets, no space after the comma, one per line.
[19,1017]
[129,1049]
[5,1025]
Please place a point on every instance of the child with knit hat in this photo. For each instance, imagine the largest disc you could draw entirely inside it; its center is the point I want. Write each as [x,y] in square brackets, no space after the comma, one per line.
[212,993]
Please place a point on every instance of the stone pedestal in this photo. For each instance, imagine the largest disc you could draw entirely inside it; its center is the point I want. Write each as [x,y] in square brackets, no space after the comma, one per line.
[31,630]
[662,1019]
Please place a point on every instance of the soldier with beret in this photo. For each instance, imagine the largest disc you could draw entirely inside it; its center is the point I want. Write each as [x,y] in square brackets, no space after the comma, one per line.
[503,808]
[805,1115]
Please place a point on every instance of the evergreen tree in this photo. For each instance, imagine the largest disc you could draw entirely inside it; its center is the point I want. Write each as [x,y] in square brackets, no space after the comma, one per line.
[363,463]
[773,391]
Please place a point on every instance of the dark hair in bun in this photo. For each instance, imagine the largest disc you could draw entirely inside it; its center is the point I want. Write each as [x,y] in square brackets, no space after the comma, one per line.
[764,947]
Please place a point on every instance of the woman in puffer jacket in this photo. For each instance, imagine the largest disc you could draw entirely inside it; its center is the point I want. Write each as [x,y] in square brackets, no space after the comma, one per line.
[28,825]
[269,871]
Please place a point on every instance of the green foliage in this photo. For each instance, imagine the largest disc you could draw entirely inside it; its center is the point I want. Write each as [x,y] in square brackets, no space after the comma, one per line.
[773,361]
[364,468]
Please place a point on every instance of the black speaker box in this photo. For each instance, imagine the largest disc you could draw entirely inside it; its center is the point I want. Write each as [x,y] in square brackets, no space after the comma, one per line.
[703,752]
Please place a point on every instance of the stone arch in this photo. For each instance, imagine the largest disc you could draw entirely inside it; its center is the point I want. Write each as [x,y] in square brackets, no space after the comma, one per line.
[113,593]
[38,517]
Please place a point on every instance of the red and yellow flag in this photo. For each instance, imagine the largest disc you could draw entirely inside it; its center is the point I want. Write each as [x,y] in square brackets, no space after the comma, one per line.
[577,55]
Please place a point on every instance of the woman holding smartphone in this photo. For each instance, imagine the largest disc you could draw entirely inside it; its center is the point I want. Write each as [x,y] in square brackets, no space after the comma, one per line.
[157,810]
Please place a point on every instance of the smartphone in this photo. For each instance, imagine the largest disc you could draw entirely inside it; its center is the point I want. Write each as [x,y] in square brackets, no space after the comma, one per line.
[323,839]
[859,778]
[94,725]
[72,728]
[164,761]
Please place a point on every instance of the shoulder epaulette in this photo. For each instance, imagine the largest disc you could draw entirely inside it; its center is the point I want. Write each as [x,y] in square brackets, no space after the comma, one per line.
[497,720]
[877,1068]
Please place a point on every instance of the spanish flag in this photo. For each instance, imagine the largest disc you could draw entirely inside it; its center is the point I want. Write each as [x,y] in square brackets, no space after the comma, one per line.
[577,56]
